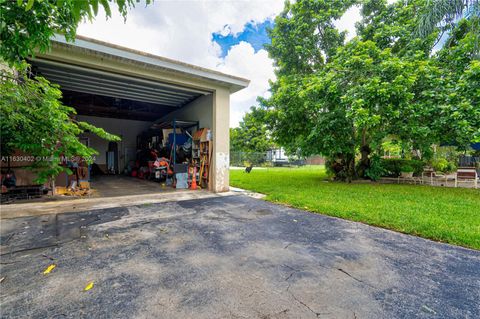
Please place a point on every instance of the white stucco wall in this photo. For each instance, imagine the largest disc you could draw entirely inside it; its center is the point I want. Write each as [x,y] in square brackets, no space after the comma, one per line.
[199,109]
[126,129]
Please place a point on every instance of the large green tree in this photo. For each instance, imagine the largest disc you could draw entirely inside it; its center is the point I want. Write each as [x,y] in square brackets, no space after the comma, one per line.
[384,82]
[305,37]
[457,117]
[33,118]
[303,42]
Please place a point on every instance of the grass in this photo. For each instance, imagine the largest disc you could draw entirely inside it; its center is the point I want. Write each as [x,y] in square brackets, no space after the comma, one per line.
[450,215]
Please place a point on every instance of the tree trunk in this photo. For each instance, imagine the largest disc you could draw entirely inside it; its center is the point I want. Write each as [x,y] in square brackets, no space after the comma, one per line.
[350,167]
[52,184]
[365,151]
[342,166]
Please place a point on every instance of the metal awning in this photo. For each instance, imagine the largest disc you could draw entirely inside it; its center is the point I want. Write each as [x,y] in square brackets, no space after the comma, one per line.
[97,82]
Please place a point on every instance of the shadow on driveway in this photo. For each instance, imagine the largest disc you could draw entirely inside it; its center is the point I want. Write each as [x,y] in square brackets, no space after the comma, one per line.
[228,257]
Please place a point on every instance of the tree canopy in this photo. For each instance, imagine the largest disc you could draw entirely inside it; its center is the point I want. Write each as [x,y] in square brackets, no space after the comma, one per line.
[342,99]
[445,13]
[251,136]
[35,121]
[27,26]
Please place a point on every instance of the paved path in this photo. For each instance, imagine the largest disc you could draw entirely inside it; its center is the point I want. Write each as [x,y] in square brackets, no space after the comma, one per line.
[228,257]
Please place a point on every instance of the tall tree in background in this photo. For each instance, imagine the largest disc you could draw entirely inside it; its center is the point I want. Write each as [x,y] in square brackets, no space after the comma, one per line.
[458,118]
[32,116]
[446,13]
[251,136]
[303,41]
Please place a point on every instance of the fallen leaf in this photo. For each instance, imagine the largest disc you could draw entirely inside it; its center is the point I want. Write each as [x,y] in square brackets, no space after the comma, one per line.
[49,269]
[89,286]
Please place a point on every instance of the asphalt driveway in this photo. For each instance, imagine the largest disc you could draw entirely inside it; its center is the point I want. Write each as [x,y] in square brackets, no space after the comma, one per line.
[228,257]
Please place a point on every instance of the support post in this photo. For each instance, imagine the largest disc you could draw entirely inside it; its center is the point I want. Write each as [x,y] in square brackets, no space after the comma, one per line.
[221,141]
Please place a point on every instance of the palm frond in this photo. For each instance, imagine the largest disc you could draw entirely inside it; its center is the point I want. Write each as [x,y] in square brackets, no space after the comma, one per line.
[445,12]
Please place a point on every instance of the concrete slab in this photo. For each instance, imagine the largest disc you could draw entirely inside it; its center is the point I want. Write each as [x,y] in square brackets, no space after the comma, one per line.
[228,257]
[26,209]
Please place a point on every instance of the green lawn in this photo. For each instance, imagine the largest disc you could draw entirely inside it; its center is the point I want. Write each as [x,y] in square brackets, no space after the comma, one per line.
[449,215]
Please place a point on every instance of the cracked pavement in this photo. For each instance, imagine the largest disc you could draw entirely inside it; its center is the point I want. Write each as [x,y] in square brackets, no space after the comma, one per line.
[228,257]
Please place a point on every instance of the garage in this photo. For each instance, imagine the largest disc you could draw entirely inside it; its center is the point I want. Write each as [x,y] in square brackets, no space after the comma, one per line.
[178,111]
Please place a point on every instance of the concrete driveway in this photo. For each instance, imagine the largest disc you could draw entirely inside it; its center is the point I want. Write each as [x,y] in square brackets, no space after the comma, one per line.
[228,257]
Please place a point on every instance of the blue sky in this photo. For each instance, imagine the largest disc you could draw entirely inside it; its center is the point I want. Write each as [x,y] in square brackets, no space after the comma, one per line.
[253,33]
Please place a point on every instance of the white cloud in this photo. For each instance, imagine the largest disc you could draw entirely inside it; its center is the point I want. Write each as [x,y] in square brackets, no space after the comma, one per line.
[182,30]
[242,60]
[348,20]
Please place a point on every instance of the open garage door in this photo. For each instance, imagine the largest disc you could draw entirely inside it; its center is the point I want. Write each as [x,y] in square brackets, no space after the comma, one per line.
[163,110]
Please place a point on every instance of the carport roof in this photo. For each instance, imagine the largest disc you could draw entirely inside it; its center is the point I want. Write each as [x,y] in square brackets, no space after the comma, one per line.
[89,68]
[81,79]
[106,49]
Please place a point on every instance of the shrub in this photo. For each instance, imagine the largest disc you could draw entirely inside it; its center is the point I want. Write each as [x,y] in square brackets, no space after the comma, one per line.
[375,171]
[407,169]
[393,166]
[443,165]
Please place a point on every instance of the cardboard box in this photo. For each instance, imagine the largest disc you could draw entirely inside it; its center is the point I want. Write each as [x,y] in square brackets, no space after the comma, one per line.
[60,190]
[201,134]
[84,185]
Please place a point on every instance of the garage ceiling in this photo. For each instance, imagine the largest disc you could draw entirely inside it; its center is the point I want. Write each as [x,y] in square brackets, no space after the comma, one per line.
[134,93]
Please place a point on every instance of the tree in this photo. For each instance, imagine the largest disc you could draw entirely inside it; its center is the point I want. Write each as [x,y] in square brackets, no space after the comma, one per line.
[446,12]
[251,136]
[304,40]
[33,119]
[383,83]
[458,117]
[304,37]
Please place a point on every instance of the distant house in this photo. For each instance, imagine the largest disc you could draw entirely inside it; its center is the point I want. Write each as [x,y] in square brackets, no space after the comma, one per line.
[277,156]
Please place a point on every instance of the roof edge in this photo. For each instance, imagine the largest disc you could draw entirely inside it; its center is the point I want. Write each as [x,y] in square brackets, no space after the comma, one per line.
[127,53]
